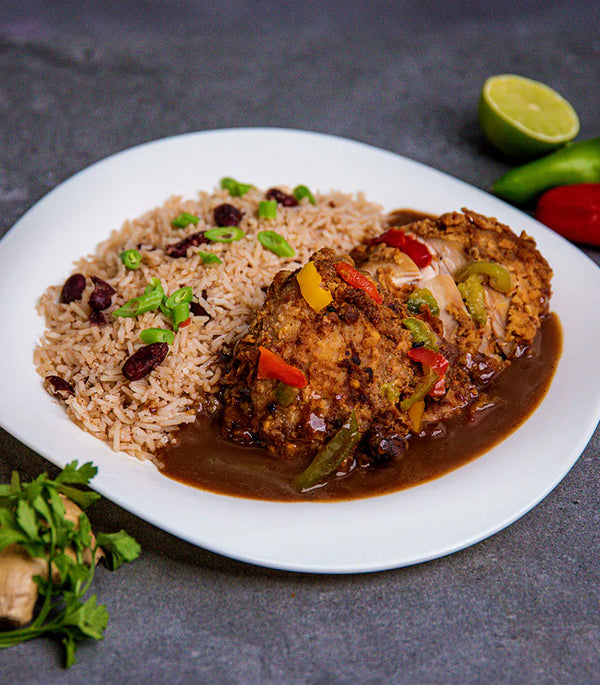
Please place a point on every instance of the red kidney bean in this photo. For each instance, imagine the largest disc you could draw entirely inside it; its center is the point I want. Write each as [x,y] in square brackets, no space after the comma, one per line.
[145,360]
[97,318]
[101,296]
[281,198]
[58,387]
[227,215]
[180,249]
[198,310]
[72,288]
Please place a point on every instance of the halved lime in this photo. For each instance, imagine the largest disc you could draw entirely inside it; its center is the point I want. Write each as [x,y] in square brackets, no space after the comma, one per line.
[525,118]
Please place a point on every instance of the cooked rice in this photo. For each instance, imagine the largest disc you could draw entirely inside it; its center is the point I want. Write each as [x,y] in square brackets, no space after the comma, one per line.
[138,417]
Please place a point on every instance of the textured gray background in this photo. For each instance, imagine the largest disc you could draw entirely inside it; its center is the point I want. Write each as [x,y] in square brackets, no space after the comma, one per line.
[79,81]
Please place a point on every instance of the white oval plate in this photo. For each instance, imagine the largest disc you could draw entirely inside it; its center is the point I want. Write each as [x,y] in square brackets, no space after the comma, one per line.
[378,533]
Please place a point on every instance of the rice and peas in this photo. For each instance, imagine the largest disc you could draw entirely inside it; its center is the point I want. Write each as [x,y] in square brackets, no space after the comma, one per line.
[140,416]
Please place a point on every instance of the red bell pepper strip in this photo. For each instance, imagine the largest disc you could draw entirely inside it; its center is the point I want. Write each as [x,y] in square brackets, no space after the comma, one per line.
[271,365]
[436,362]
[415,249]
[358,280]
[573,211]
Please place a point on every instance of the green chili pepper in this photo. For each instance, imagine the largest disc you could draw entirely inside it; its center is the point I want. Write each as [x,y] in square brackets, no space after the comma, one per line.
[575,163]
[224,234]
[180,313]
[275,243]
[330,456]
[300,192]
[267,209]
[185,219]
[180,296]
[473,293]
[132,259]
[152,335]
[421,391]
[234,188]
[209,258]
[421,333]
[500,278]
[285,394]
[420,297]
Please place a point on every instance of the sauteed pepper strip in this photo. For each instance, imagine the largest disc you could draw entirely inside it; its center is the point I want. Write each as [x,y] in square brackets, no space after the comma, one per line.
[309,280]
[357,280]
[271,365]
[415,249]
[499,277]
[330,456]
[433,384]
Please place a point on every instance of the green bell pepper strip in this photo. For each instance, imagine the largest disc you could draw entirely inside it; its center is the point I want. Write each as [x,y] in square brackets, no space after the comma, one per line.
[421,333]
[473,294]
[575,163]
[420,297]
[421,391]
[499,277]
[285,394]
[330,456]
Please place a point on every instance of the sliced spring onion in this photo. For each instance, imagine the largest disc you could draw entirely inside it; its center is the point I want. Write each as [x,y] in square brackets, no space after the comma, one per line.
[330,456]
[209,257]
[180,313]
[132,259]
[267,209]
[181,296]
[235,188]
[152,335]
[300,192]
[224,234]
[185,219]
[139,305]
[275,243]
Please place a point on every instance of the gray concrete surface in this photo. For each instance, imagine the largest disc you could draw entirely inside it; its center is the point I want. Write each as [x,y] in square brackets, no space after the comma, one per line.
[79,81]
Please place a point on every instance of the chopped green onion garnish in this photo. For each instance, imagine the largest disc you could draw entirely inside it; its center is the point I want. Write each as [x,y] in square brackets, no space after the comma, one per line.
[153,335]
[180,313]
[224,234]
[234,188]
[131,259]
[300,192]
[139,305]
[276,243]
[154,284]
[184,219]
[209,258]
[180,296]
[267,209]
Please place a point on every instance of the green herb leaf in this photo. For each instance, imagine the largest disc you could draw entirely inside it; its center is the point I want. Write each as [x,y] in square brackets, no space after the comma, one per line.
[119,548]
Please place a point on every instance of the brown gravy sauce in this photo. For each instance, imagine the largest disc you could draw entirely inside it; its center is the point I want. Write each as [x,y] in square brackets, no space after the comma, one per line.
[203,459]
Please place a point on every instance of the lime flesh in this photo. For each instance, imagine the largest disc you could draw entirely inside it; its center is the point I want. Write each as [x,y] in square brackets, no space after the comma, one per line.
[524,118]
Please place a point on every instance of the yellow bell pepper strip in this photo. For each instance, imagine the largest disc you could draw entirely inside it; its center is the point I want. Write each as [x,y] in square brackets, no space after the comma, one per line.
[421,332]
[329,458]
[357,280]
[499,277]
[309,280]
[420,297]
[472,292]
[271,365]
[415,414]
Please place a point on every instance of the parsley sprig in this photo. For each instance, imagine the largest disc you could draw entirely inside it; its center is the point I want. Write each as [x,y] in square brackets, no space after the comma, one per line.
[32,516]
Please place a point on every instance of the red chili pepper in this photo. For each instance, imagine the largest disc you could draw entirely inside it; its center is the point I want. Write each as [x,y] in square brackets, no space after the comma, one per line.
[416,250]
[271,365]
[573,211]
[358,280]
[185,323]
[436,362]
